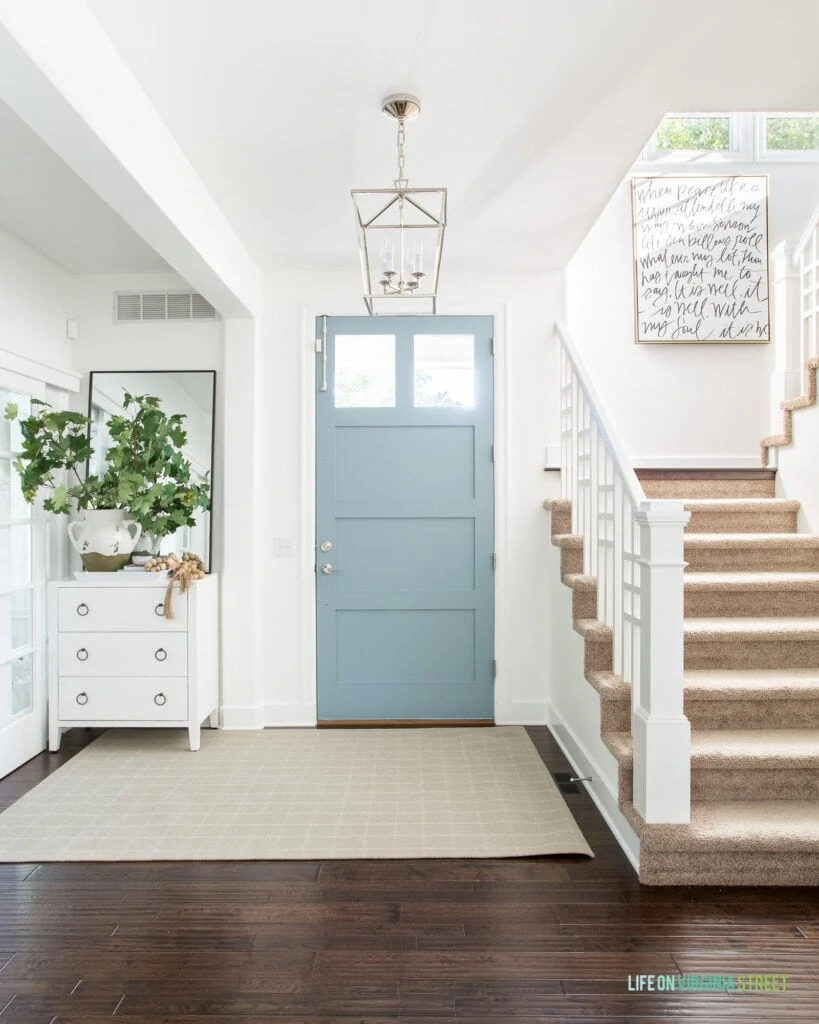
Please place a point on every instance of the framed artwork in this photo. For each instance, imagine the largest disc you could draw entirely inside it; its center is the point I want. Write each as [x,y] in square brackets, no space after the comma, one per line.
[701,259]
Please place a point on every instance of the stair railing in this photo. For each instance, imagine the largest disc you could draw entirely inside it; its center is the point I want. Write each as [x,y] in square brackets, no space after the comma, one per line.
[634,547]
[806,258]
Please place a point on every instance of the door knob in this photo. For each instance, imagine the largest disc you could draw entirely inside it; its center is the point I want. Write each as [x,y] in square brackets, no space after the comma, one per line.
[328,570]
[326,545]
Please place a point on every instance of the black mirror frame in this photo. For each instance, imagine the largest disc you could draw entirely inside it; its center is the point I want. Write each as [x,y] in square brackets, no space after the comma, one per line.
[93,373]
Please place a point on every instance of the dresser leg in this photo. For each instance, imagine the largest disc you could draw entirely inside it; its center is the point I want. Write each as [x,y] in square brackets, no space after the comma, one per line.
[193,736]
[54,736]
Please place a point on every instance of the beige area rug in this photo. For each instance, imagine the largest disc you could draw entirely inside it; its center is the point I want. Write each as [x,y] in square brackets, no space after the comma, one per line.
[295,794]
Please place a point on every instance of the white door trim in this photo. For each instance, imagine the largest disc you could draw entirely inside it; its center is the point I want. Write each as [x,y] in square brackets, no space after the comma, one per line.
[305,713]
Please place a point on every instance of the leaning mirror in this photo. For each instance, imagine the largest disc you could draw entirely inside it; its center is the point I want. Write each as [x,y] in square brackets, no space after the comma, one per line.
[189,394]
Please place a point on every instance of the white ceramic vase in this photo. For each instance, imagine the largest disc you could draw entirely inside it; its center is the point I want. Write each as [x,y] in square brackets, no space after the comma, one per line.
[146,547]
[104,539]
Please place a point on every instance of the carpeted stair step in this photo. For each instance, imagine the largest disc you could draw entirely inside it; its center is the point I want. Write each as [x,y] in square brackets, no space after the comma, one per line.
[738,594]
[571,553]
[751,552]
[584,595]
[738,764]
[597,644]
[752,643]
[752,699]
[749,699]
[689,484]
[561,511]
[757,842]
[742,515]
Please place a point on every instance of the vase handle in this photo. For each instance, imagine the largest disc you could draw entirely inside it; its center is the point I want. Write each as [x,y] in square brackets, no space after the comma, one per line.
[134,536]
[77,524]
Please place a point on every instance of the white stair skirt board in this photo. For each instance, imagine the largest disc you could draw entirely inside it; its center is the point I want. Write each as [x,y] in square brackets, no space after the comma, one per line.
[295,794]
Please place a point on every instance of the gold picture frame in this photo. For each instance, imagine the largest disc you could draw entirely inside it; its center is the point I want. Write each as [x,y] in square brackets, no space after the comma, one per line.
[700,259]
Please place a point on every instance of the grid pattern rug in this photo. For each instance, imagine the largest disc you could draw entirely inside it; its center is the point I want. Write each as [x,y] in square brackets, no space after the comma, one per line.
[295,794]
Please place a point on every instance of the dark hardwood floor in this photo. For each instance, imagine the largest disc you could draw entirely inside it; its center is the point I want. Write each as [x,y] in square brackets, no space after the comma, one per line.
[475,942]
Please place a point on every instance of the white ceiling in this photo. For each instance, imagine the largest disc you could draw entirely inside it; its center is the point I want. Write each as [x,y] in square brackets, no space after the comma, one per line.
[533,111]
[43,202]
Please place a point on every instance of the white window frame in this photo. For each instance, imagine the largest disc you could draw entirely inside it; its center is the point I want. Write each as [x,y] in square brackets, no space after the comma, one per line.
[765,155]
[23,734]
[16,730]
[738,141]
[747,135]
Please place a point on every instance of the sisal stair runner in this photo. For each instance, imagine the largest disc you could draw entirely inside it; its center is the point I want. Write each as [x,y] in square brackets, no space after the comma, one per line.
[751,686]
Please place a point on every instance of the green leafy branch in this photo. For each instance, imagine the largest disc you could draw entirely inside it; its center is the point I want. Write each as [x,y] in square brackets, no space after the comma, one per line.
[55,442]
[146,472]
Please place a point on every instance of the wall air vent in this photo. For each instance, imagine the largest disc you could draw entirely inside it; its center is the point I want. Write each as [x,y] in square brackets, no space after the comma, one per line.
[133,306]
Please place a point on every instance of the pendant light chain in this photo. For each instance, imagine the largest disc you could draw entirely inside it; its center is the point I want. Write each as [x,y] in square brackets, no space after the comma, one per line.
[401,180]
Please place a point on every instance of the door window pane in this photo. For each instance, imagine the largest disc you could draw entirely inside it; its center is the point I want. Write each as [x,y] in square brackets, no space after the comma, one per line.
[12,503]
[22,688]
[21,619]
[444,370]
[365,371]
[15,556]
[10,437]
[15,622]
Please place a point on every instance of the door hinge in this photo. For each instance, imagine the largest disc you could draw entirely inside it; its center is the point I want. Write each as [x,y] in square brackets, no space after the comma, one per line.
[494,669]
[492,345]
[492,452]
[494,558]
[317,345]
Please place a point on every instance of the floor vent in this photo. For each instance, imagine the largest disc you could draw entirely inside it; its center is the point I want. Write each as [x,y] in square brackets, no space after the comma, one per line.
[146,306]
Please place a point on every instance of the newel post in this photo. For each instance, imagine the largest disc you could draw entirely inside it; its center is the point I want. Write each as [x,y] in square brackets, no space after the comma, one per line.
[786,380]
[661,732]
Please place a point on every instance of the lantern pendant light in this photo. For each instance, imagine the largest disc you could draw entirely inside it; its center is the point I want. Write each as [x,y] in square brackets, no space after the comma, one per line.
[400,232]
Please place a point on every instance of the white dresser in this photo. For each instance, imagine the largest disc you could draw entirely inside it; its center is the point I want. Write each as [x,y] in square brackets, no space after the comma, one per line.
[115,659]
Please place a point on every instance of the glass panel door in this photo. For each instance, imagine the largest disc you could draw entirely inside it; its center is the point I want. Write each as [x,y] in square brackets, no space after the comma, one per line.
[22,585]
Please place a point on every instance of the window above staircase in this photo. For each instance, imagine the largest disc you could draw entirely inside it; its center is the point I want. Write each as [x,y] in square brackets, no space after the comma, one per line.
[732,137]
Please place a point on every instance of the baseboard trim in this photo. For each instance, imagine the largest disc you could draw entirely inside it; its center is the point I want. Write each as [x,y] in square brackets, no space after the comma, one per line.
[238,717]
[289,716]
[604,799]
[524,712]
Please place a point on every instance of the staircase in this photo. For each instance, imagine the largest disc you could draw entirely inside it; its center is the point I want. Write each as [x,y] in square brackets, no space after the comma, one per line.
[751,684]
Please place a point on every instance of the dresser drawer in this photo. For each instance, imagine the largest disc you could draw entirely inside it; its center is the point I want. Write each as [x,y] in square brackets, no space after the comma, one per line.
[123,654]
[124,699]
[135,607]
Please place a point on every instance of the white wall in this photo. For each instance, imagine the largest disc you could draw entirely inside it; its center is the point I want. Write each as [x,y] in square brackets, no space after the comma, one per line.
[33,304]
[525,307]
[702,403]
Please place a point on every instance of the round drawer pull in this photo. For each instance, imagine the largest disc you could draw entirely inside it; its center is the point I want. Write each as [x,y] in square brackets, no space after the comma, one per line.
[82,654]
[161,654]
[82,609]
[159,610]
[160,699]
[82,698]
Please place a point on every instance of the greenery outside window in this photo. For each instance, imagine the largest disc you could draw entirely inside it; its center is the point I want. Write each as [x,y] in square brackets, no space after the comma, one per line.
[686,138]
[695,133]
[792,136]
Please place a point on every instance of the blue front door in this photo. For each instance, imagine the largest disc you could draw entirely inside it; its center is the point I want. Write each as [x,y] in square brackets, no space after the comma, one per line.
[404,519]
